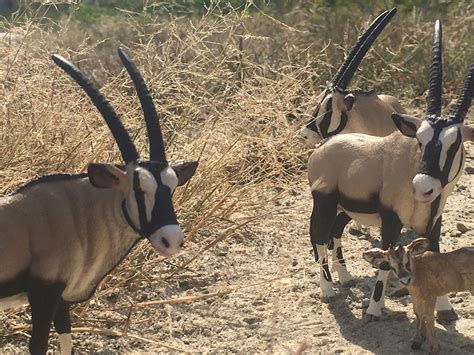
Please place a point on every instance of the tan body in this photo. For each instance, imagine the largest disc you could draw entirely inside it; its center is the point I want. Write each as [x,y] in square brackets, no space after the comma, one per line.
[380,168]
[80,228]
[371,114]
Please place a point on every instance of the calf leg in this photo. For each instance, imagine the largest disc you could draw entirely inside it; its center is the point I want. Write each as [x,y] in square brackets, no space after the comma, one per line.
[420,325]
[44,299]
[391,227]
[444,310]
[429,307]
[62,324]
[338,262]
[322,219]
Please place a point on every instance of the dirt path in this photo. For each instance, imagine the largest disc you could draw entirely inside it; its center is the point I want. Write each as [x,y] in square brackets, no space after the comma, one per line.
[276,307]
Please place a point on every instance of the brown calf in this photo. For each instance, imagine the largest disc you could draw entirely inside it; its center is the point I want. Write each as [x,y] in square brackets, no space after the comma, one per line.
[426,276]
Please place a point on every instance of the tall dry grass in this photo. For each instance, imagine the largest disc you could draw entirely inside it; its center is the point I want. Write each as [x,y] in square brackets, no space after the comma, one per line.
[232,91]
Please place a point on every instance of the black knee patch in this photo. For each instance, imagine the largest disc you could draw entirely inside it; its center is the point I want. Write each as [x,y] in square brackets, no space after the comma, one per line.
[378,291]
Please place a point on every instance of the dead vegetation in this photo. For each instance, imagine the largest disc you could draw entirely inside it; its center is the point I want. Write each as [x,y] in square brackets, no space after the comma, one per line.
[232,91]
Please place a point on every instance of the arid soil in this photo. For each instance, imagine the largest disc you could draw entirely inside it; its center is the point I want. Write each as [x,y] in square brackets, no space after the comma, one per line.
[268,296]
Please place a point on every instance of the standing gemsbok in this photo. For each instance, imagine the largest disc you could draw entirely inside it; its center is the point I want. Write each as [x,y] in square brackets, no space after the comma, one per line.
[393,181]
[339,110]
[62,234]
[343,111]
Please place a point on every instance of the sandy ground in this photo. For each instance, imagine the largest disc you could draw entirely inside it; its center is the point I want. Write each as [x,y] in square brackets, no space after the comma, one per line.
[274,305]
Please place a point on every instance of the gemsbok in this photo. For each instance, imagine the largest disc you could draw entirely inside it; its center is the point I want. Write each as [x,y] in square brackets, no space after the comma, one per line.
[339,110]
[63,233]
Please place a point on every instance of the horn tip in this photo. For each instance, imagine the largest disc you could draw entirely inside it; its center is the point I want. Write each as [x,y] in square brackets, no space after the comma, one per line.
[122,53]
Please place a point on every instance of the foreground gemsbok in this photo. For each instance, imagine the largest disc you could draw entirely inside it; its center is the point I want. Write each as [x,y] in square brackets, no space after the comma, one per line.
[62,234]
[393,181]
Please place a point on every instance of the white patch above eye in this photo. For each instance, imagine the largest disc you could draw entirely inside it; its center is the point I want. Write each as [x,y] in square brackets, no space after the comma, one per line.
[148,185]
[169,178]
[447,137]
[425,133]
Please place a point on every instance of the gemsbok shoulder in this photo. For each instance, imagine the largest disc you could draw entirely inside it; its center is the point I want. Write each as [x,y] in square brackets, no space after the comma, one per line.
[63,233]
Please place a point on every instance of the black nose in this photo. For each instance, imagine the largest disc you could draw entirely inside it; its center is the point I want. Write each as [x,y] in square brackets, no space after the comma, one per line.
[182,244]
[165,242]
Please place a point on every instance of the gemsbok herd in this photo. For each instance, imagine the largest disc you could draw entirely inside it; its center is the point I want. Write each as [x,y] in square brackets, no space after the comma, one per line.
[371,163]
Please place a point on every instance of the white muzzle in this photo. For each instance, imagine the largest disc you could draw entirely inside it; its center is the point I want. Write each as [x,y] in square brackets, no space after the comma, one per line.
[168,240]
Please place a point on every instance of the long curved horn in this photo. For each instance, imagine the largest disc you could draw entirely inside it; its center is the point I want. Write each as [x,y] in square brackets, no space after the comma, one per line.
[363,45]
[121,136]
[436,72]
[462,106]
[155,137]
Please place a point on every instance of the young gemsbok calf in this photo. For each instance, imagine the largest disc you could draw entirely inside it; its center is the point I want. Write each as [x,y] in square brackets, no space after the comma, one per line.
[393,181]
[62,234]
[339,110]
[426,276]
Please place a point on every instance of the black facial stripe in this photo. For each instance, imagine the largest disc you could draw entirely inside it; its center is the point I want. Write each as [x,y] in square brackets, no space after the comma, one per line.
[140,199]
[326,121]
[312,124]
[451,154]
[163,214]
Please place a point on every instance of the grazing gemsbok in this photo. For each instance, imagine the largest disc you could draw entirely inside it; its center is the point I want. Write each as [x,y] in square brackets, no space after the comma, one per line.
[339,110]
[62,234]
[426,276]
[391,181]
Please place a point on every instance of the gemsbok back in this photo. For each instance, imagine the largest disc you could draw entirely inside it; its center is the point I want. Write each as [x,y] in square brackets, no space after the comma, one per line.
[62,234]
[394,181]
[339,110]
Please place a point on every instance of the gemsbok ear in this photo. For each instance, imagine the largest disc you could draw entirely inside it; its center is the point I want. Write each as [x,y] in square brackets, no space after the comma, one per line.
[184,170]
[467,134]
[418,246]
[349,101]
[406,124]
[375,256]
[104,176]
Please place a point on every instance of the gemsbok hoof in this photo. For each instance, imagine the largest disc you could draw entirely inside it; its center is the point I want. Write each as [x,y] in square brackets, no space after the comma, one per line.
[416,344]
[368,318]
[347,283]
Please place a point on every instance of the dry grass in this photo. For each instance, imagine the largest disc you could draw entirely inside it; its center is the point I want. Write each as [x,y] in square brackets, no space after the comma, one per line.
[224,84]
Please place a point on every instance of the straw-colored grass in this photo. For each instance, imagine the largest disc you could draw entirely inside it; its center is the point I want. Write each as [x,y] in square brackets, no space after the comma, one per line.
[232,91]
